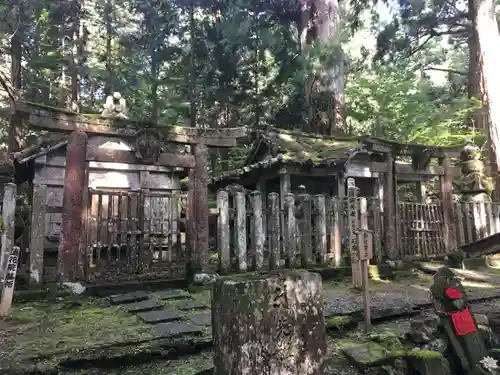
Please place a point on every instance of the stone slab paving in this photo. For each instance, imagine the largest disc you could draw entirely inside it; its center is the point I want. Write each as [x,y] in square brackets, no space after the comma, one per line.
[201,319]
[175,329]
[191,305]
[172,294]
[118,299]
[141,306]
[160,316]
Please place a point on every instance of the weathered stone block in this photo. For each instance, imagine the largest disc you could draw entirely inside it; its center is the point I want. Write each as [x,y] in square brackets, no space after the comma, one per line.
[269,325]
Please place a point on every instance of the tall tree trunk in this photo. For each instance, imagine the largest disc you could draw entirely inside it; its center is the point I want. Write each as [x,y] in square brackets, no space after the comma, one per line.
[329,29]
[108,84]
[16,131]
[154,88]
[74,61]
[193,115]
[325,89]
[488,36]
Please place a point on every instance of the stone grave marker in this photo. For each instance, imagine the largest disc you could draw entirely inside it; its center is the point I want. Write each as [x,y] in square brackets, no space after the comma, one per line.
[118,299]
[452,306]
[271,325]
[146,305]
[159,316]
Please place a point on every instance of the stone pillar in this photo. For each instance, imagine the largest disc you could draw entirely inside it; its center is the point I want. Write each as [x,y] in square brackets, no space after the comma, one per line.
[447,204]
[271,325]
[71,255]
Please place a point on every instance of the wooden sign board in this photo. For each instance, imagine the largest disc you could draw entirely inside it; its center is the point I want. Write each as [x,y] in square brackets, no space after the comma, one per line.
[9,281]
[365,244]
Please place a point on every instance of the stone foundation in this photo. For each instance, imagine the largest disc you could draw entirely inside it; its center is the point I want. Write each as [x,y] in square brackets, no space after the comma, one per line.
[422,350]
[271,325]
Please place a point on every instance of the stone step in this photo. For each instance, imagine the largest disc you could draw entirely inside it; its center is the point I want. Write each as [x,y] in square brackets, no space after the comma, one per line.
[141,306]
[201,319]
[190,305]
[160,316]
[172,294]
[174,329]
[119,299]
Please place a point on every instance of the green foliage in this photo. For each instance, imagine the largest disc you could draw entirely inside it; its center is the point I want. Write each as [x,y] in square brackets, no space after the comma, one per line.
[240,63]
[390,101]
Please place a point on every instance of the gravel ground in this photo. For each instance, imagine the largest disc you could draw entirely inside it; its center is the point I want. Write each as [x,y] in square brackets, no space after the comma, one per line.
[391,299]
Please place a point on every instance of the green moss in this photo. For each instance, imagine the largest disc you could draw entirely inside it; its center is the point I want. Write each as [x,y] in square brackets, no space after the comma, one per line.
[387,339]
[46,329]
[340,322]
[425,354]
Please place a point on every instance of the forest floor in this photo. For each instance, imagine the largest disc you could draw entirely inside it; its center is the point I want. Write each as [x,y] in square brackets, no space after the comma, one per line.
[91,332]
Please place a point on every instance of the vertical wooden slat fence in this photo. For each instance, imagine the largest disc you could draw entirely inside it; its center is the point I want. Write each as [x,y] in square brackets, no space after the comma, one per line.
[305,233]
[475,220]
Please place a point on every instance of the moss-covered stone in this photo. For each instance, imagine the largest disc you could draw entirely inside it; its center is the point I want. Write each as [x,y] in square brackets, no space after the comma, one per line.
[341,322]
[272,321]
[369,354]
[427,362]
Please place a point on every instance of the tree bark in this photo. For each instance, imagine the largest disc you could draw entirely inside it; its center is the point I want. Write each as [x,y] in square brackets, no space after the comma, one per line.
[108,7]
[488,36]
[325,89]
[16,132]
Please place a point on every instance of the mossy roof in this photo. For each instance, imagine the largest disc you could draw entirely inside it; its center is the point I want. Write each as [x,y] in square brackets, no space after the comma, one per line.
[281,147]
[45,144]
[303,147]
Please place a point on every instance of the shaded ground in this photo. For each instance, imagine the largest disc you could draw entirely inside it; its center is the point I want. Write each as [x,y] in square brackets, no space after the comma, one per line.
[46,333]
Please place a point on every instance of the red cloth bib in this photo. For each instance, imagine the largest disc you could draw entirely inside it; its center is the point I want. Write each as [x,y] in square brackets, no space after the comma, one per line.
[463,322]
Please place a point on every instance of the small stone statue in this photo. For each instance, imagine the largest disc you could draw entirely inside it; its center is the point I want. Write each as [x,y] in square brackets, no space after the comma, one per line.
[115,106]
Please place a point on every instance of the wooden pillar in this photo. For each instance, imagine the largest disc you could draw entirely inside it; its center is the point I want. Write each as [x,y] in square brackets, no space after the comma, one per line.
[71,255]
[446,185]
[285,188]
[341,195]
[39,208]
[198,216]
[390,210]
[420,187]
[262,187]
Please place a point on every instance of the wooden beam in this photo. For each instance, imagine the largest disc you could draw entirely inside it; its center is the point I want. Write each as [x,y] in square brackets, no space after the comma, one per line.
[128,157]
[64,122]
[408,169]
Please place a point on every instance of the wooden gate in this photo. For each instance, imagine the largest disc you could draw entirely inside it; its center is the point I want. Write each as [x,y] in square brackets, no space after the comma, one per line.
[420,230]
[134,234]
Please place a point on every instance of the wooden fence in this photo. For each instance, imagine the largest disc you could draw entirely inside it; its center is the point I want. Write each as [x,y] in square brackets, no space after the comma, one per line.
[476,220]
[308,231]
[293,231]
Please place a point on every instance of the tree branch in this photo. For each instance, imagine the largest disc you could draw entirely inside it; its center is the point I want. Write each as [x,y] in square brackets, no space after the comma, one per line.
[452,71]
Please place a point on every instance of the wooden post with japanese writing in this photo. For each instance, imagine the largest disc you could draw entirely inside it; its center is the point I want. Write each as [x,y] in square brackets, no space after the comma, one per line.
[365,247]
[365,253]
[352,206]
[9,281]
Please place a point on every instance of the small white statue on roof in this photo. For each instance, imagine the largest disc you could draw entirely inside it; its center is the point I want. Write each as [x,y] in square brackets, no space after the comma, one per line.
[115,106]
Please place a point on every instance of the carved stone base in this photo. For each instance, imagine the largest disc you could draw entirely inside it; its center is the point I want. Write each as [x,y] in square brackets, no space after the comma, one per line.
[269,325]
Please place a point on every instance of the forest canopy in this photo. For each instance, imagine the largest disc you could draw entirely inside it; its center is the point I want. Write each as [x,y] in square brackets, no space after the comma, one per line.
[400,71]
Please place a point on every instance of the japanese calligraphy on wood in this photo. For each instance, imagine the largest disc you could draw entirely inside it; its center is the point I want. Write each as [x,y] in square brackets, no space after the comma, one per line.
[9,281]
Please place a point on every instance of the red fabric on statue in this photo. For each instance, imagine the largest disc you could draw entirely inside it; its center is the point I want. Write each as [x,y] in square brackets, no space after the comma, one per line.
[463,322]
[453,293]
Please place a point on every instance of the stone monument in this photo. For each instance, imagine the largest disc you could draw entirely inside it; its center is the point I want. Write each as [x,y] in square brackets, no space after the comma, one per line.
[271,325]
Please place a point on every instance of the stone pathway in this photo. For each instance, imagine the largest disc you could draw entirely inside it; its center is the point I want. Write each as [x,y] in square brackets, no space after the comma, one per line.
[173,313]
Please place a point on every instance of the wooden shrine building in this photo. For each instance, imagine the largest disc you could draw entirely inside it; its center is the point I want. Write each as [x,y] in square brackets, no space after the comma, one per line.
[284,161]
[107,198]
